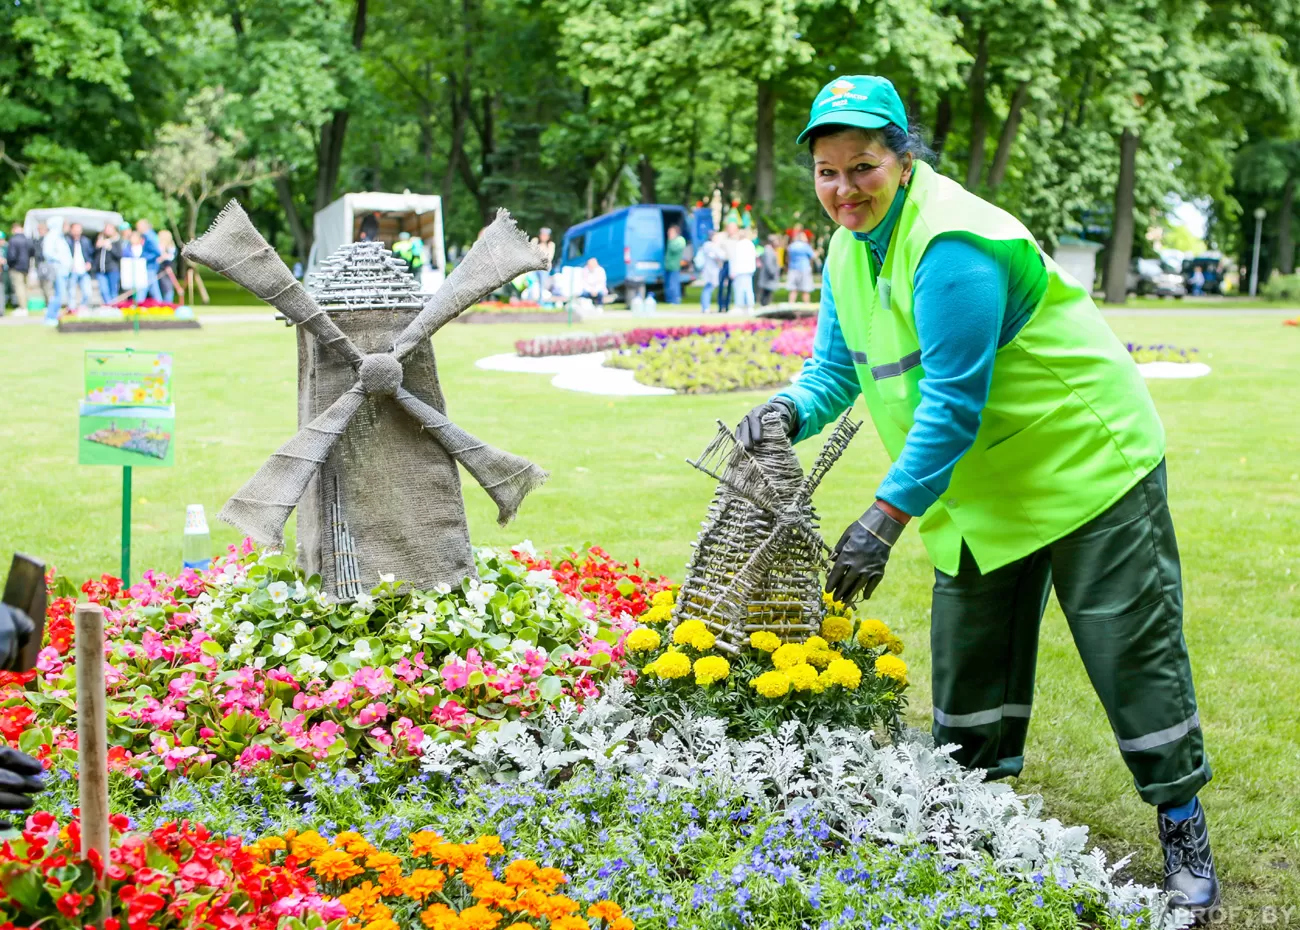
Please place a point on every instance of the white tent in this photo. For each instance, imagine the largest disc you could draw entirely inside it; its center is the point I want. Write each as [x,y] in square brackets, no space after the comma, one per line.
[419,214]
[92,221]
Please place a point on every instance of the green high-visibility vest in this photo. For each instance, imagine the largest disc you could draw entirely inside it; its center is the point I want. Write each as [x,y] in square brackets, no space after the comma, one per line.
[1069,426]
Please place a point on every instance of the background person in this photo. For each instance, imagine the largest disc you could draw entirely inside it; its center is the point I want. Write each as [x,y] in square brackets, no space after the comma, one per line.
[594,282]
[800,256]
[743,262]
[1025,444]
[167,283]
[769,270]
[674,249]
[108,262]
[710,261]
[18,256]
[57,257]
[82,252]
[150,252]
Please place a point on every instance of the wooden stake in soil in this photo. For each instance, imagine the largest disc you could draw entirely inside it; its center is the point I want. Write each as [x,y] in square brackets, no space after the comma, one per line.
[92,736]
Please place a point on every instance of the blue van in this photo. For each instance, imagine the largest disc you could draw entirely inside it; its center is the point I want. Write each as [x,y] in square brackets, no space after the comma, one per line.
[628,244]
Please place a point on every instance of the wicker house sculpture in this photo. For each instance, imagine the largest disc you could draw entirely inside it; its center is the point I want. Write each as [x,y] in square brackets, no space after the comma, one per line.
[759,559]
[372,469]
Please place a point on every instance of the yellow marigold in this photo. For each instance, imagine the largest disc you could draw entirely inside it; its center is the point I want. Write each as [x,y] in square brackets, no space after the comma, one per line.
[360,898]
[642,639]
[772,684]
[440,917]
[423,882]
[894,645]
[275,843]
[605,910]
[520,872]
[710,669]
[550,878]
[381,923]
[844,672]
[764,641]
[672,664]
[308,845]
[657,614]
[662,598]
[380,860]
[889,666]
[815,644]
[686,632]
[424,842]
[820,658]
[703,641]
[335,865]
[789,655]
[495,894]
[623,923]
[837,629]
[479,917]
[489,846]
[520,925]
[353,842]
[803,677]
[873,633]
[570,923]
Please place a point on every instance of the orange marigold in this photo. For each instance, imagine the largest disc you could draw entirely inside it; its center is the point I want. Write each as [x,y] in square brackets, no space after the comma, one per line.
[390,881]
[422,843]
[533,902]
[381,923]
[308,845]
[489,846]
[353,842]
[520,872]
[570,923]
[520,925]
[380,860]
[475,874]
[423,882]
[623,923]
[558,905]
[335,865]
[440,917]
[605,910]
[548,879]
[451,854]
[495,894]
[358,899]
[479,917]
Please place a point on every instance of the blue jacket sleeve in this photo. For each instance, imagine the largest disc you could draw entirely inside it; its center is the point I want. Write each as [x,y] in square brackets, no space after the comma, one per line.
[959,301]
[828,383]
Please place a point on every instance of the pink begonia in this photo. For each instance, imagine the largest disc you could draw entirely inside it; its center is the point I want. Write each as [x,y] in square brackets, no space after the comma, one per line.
[322,736]
[182,684]
[207,732]
[371,713]
[191,582]
[300,905]
[405,729]
[589,610]
[455,675]
[373,680]
[586,687]
[382,736]
[452,715]
[253,755]
[284,676]
[49,662]
[295,727]
[112,675]
[534,662]
[410,669]
[509,682]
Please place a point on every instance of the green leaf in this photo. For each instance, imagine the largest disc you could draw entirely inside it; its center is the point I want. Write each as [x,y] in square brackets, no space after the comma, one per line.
[301,773]
[550,688]
[213,648]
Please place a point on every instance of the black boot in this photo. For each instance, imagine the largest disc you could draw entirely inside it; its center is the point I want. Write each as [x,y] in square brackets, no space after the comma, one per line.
[1190,879]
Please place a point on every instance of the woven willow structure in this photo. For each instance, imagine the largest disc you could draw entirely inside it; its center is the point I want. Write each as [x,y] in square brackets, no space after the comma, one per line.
[372,470]
[759,559]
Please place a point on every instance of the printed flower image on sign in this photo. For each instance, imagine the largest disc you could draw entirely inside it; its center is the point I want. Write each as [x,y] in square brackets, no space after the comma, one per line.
[126,415]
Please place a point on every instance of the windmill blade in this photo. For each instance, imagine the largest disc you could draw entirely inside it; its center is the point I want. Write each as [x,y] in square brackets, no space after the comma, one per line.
[507,478]
[501,254]
[234,248]
[261,507]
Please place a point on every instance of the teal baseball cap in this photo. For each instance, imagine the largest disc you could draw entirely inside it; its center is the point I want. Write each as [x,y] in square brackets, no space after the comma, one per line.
[861,100]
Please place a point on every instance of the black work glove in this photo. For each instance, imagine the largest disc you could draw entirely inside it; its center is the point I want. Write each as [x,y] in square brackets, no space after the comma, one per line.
[15,629]
[20,778]
[750,429]
[861,554]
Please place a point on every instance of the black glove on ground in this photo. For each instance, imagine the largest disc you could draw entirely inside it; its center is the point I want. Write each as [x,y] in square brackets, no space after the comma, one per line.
[750,429]
[861,554]
[20,778]
[15,629]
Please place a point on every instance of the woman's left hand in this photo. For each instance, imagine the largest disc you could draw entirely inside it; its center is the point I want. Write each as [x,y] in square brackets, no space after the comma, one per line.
[861,554]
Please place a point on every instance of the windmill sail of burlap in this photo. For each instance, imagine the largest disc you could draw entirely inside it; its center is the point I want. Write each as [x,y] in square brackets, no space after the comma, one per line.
[369,404]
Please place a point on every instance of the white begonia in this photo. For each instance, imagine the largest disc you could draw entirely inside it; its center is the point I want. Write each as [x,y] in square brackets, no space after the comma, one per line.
[311,665]
[281,645]
[527,547]
[455,627]
[361,650]
[542,578]
[242,604]
[543,600]
[414,625]
[468,615]
[278,592]
[442,588]
[364,602]
[480,592]
[507,618]
[247,628]
[387,577]
[298,629]
[259,663]
[236,649]
[299,590]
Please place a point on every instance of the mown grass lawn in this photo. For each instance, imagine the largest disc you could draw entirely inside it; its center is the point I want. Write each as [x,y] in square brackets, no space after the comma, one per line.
[619,479]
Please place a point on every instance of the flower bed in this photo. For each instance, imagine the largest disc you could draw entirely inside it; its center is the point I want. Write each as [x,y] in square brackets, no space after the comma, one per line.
[1162,353]
[657,784]
[718,361]
[585,343]
[146,314]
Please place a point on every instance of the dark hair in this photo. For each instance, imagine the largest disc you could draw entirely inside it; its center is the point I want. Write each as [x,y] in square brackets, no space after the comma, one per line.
[898,140]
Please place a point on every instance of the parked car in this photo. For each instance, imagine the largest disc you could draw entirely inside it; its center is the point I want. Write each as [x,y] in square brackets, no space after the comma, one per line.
[1150,276]
[628,244]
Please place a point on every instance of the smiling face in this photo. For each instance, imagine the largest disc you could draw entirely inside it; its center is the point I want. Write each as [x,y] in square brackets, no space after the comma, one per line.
[857,177]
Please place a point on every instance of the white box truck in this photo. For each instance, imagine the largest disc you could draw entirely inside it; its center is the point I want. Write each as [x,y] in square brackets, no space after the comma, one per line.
[391,215]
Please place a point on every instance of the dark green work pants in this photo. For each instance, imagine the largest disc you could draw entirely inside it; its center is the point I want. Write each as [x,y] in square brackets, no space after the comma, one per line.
[1119,583]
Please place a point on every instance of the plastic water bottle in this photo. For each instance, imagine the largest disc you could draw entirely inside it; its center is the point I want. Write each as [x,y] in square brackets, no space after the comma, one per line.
[196,552]
[649,305]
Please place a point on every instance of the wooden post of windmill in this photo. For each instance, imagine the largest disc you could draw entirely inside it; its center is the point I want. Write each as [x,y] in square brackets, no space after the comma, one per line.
[92,740]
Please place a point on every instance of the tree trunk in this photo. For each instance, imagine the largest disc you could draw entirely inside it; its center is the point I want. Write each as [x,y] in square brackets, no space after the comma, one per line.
[1121,234]
[978,108]
[301,235]
[646,173]
[765,152]
[1007,138]
[458,95]
[942,122]
[591,197]
[692,155]
[329,152]
[1285,245]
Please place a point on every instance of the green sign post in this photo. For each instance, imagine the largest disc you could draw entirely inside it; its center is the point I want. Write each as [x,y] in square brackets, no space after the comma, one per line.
[127,418]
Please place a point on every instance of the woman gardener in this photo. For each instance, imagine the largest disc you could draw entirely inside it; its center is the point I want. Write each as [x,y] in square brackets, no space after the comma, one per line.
[1026,448]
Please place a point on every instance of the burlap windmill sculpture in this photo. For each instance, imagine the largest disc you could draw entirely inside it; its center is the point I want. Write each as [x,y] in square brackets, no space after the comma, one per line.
[372,470]
[760,556]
